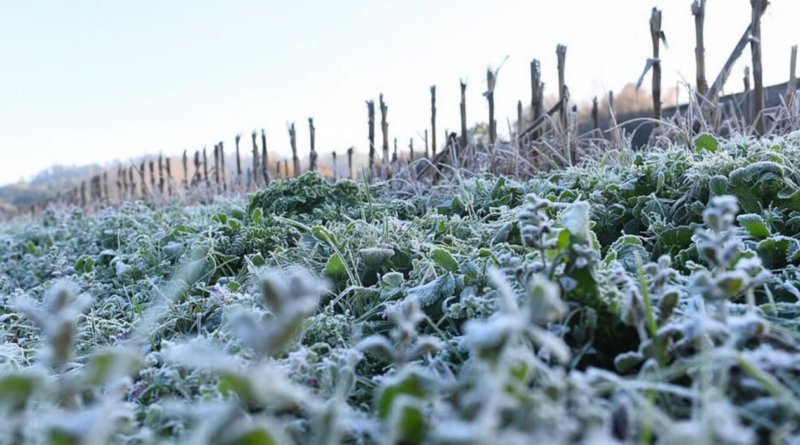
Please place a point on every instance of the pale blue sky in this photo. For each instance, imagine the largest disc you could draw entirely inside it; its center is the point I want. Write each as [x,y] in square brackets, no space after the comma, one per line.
[95,81]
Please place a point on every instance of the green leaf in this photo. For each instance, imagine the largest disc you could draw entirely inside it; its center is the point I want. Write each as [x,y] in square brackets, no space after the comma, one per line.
[673,240]
[108,365]
[335,266]
[253,436]
[235,224]
[239,385]
[718,185]
[17,388]
[410,382]
[502,233]
[220,217]
[375,256]
[443,259]
[775,251]
[84,264]
[407,421]
[393,279]
[706,142]
[237,213]
[323,234]
[627,360]
[748,200]
[440,288]
[58,437]
[563,240]
[498,187]
[627,247]
[793,255]
[258,216]
[257,260]
[755,225]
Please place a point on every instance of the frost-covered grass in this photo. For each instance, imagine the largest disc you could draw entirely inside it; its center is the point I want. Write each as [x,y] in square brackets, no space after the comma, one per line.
[649,301]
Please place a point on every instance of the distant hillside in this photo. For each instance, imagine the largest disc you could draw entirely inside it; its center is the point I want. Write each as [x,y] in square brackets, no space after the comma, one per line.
[45,184]
[59,178]
[21,194]
[63,177]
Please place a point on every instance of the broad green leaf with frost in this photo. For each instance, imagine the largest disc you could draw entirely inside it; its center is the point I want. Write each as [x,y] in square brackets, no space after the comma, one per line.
[755,225]
[706,142]
[335,266]
[375,256]
[427,294]
[445,260]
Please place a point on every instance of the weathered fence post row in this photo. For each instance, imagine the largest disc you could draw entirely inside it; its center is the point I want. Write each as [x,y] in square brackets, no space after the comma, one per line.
[527,135]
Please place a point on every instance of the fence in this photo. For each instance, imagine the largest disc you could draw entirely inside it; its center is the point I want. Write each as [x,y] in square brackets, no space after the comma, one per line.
[758,109]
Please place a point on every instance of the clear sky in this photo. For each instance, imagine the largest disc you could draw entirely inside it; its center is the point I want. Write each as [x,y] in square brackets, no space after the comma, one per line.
[95,81]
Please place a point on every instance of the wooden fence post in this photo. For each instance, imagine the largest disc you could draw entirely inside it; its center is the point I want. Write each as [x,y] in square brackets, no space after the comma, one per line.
[758,81]
[657,36]
[286,168]
[491,79]
[295,159]
[520,124]
[160,174]
[611,101]
[132,183]
[185,171]
[463,114]
[197,176]
[334,165]
[278,169]
[105,186]
[394,153]
[142,181]
[384,131]
[216,164]
[120,180]
[83,194]
[410,150]
[748,103]
[264,159]
[254,177]
[350,162]
[433,123]
[222,166]
[561,53]
[371,136]
[169,176]
[537,93]
[699,12]
[426,145]
[205,165]
[152,163]
[312,155]
[722,77]
[238,160]
[127,183]
[595,112]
